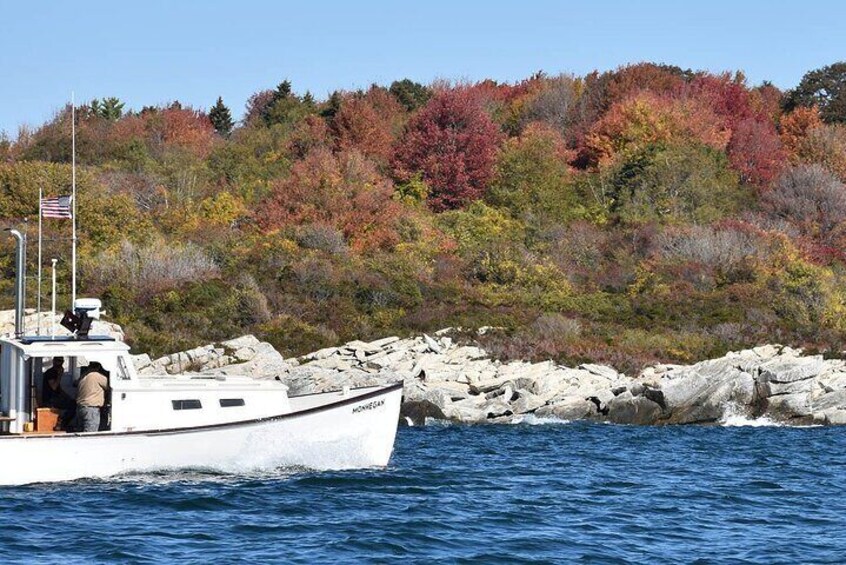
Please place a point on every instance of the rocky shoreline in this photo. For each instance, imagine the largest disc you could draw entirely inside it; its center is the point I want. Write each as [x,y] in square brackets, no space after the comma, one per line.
[447,380]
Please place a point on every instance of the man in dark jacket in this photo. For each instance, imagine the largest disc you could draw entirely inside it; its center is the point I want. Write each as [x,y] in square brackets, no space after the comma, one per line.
[54,373]
[53,396]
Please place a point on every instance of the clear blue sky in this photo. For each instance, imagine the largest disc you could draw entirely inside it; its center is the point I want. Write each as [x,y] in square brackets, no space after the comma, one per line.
[154,51]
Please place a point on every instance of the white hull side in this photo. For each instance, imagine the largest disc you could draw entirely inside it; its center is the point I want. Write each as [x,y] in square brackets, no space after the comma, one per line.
[357,432]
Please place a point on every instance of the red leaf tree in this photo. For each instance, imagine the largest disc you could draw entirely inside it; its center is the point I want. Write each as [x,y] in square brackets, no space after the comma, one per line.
[756,152]
[344,191]
[452,144]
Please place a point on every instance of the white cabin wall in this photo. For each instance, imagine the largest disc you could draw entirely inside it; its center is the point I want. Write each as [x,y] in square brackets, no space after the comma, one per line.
[135,408]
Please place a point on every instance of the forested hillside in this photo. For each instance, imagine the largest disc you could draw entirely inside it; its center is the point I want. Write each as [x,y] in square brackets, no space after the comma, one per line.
[646,214]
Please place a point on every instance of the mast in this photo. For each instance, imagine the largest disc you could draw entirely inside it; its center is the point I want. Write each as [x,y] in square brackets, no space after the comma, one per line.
[38,300]
[73,201]
[53,303]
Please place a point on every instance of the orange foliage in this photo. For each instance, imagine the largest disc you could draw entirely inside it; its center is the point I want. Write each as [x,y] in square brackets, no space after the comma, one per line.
[647,118]
[632,79]
[368,123]
[341,190]
[181,127]
[766,101]
[796,125]
[825,145]
[310,133]
[174,126]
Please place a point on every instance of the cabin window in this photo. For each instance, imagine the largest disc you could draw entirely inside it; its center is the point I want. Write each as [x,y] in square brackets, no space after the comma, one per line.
[123,371]
[191,404]
[230,402]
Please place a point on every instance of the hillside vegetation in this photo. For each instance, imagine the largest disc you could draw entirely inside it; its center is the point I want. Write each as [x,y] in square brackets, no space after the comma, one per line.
[646,214]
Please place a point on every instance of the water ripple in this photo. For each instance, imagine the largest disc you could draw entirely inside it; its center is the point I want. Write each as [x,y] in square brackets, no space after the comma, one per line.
[528,493]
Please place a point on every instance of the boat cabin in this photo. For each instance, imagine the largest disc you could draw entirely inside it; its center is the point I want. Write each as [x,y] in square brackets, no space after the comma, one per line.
[135,403]
[23,363]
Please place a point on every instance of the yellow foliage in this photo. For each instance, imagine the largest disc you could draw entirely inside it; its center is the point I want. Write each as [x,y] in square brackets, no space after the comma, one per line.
[223,209]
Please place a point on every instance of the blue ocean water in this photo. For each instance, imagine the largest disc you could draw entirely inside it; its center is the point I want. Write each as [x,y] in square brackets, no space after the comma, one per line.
[458,494]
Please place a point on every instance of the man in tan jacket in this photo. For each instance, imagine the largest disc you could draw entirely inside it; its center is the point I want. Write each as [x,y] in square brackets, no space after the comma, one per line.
[91,397]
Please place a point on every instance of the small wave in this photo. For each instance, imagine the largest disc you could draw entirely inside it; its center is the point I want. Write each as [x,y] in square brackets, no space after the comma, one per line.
[532,420]
[735,417]
[430,421]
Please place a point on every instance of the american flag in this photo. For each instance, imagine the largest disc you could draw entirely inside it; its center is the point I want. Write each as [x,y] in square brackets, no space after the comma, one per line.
[58,207]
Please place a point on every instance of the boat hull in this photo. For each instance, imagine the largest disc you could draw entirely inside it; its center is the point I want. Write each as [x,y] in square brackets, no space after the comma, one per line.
[353,431]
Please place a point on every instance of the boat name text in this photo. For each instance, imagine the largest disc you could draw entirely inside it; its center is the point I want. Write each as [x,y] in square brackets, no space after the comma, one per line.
[369,406]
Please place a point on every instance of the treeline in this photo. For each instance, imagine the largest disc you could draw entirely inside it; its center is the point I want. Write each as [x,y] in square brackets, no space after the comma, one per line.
[645,214]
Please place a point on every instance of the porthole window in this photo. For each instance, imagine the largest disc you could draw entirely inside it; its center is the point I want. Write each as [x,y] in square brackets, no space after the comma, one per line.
[191,404]
[230,402]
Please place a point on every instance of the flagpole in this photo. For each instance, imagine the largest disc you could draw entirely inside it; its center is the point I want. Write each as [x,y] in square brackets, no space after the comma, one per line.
[73,200]
[53,307]
[38,299]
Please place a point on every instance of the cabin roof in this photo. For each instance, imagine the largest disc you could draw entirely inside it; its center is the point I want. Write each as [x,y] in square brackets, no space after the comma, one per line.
[44,346]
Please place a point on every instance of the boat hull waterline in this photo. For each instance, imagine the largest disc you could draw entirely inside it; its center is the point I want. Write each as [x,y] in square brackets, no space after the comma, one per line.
[346,432]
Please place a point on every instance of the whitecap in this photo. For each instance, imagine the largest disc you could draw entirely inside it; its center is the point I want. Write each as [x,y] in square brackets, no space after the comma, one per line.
[735,417]
[532,420]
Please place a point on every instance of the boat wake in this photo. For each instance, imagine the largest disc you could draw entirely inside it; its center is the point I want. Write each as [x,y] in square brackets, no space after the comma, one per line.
[201,476]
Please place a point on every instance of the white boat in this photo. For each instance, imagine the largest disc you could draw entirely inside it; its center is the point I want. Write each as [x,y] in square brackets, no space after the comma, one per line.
[226,424]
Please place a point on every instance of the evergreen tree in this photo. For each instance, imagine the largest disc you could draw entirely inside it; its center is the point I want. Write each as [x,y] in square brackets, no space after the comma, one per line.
[410,94]
[331,106]
[221,118]
[110,108]
[285,107]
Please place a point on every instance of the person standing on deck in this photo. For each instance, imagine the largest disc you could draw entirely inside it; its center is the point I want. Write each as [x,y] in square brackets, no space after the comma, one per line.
[91,397]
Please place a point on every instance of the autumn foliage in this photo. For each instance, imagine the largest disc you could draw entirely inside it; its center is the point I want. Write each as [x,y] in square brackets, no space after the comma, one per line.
[645,119]
[452,144]
[343,191]
[640,214]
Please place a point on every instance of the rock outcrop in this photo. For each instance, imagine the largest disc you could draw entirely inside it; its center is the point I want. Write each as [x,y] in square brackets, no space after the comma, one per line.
[459,382]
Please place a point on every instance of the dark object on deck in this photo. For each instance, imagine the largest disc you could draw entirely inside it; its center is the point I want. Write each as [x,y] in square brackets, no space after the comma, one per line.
[79,324]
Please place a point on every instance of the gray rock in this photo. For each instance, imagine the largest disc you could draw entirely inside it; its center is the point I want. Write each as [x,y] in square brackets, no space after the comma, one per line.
[418,410]
[381,343]
[526,402]
[773,388]
[496,408]
[788,406]
[240,342]
[571,409]
[141,361]
[638,410]
[701,398]
[466,414]
[832,400]
[600,370]
[790,370]
[432,344]
[830,417]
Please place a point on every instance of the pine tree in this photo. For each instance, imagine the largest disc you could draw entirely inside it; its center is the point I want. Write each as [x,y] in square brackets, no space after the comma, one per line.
[221,118]
[107,108]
